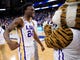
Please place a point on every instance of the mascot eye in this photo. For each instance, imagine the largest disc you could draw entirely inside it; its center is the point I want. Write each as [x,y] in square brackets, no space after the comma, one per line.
[54,26]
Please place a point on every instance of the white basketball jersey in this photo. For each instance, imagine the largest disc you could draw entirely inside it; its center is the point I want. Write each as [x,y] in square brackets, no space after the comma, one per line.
[2,40]
[27,32]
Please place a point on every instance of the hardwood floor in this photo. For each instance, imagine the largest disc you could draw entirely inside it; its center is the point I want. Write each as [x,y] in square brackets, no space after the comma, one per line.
[13,55]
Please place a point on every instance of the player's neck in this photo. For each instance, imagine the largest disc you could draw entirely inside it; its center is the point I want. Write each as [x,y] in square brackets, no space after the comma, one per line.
[27,18]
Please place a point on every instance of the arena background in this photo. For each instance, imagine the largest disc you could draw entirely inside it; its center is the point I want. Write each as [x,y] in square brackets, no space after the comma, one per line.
[45,9]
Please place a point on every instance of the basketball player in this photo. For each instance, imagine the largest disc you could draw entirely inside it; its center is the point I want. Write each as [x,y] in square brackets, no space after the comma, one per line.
[2,44]
[26,25]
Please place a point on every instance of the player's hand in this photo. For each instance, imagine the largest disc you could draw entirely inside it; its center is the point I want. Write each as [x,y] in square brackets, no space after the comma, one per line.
[42,48]
[13,45]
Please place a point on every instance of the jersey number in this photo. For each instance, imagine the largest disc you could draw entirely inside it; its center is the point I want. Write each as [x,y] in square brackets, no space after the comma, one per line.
[29,33]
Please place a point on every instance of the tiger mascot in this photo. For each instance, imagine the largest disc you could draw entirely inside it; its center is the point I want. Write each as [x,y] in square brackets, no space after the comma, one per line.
[65,37]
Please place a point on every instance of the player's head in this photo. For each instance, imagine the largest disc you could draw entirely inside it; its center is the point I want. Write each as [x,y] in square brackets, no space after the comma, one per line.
[29,10]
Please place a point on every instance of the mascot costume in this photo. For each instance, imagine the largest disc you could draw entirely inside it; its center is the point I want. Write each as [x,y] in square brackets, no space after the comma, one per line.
[65,37]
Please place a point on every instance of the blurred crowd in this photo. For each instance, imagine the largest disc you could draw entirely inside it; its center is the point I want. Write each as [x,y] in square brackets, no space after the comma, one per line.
[40,17]
[43,17]
[4,22]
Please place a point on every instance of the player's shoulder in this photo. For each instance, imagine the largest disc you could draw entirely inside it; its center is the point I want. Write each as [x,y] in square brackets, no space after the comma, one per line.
[34,21]
[18,19]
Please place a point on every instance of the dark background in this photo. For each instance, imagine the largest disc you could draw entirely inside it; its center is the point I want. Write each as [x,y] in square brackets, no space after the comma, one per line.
[14,7]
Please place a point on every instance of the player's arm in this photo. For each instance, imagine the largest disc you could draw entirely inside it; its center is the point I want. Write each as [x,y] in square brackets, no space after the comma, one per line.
[13,45]
[37,40]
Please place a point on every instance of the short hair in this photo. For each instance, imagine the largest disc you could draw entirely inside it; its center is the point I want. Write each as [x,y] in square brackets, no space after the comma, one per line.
[27,5]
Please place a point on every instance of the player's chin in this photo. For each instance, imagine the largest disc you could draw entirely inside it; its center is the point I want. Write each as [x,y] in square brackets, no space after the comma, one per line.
[33,15]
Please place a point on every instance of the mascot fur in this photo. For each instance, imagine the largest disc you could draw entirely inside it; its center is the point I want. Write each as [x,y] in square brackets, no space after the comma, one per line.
[66,17]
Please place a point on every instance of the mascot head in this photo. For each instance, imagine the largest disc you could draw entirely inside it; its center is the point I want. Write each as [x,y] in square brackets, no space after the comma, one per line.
[68,14]
[66,17]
